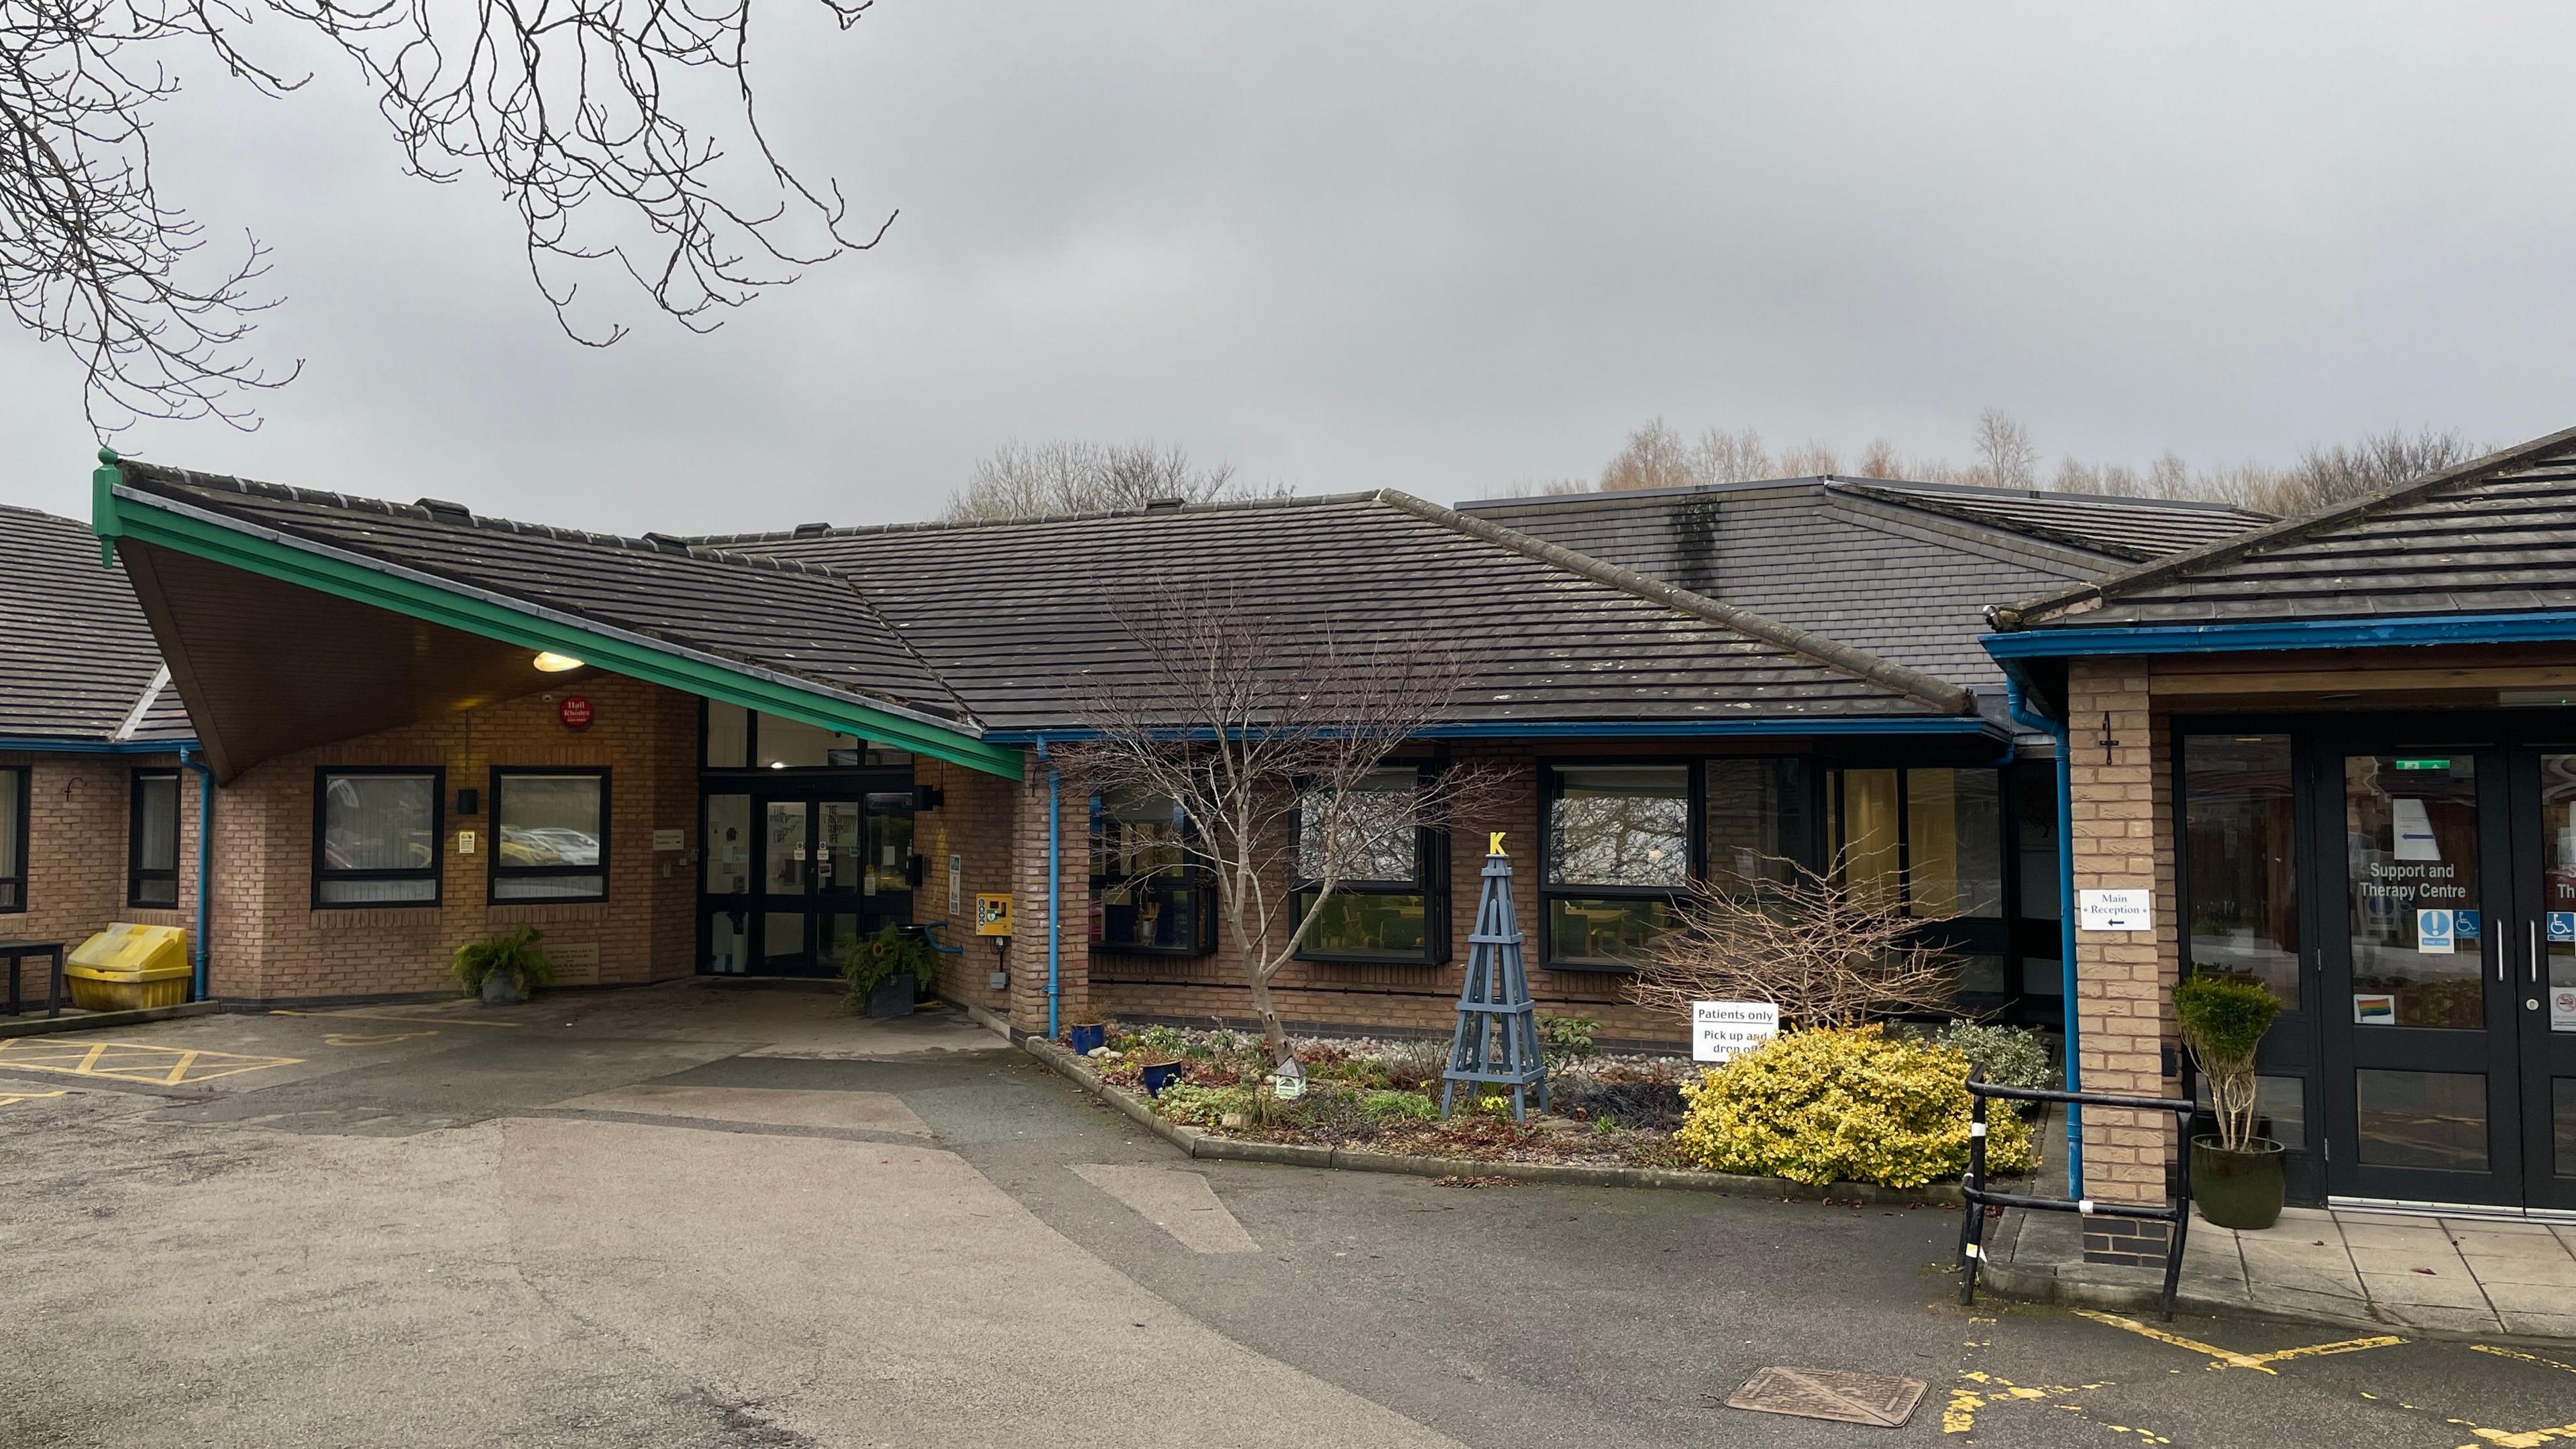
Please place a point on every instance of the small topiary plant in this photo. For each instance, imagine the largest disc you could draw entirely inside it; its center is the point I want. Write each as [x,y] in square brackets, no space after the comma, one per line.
[513,955]
[1837,1105]
[2223,1020]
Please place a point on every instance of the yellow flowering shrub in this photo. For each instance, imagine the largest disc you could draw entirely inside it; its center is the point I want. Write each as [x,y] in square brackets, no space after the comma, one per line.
[1848,1105]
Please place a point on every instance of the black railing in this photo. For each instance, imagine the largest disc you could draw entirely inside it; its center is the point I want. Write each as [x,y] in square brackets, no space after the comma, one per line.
[1978,1199]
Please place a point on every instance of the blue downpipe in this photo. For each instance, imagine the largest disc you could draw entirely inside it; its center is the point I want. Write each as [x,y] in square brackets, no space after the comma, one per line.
[205,862]
[1055,933]
[2017,706]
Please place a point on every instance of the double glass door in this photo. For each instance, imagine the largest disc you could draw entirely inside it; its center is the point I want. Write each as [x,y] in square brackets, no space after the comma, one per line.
[796,871]
[2448,968]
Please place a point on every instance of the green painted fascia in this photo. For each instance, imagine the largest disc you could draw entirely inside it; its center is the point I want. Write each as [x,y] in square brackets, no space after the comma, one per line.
[134,517]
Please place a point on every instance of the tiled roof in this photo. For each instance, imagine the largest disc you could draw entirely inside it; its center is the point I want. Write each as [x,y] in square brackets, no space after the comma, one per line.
[76,656]
[1903,570]
[2494,536]
[808,623]
[1013,614]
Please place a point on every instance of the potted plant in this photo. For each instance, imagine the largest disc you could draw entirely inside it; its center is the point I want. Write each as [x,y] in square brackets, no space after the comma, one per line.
[503,969]
[2235,1175]
[885,972]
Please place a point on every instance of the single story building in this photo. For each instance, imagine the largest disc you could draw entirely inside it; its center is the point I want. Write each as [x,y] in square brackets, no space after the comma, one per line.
[727,756]
[2339,751]
[99,790]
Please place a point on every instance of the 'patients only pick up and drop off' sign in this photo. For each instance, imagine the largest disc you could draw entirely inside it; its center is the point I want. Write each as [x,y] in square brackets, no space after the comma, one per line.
[1724,1030]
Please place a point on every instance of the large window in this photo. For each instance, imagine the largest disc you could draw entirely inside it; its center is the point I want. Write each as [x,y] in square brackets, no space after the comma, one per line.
[152,840]
[2239,892]
[375,837]
[13,838]
[740,739]
[1388,902]
[1760,821]
[1927,839]
[550,835]
[1147,893]
[1618,857]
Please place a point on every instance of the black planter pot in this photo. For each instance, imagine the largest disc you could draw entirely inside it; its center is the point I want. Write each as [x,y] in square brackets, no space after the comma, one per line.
[2237,1189]
[894,996]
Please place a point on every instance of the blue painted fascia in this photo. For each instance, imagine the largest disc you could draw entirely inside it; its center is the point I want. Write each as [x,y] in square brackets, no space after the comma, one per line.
[1607,729]
[35,746]
[2283,634]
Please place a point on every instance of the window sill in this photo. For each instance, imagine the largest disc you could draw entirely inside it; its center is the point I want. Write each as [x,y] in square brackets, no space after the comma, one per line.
[1590,968]
[1418,963]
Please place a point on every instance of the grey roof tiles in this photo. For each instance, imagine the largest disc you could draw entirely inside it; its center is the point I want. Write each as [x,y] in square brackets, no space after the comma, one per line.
[75,653]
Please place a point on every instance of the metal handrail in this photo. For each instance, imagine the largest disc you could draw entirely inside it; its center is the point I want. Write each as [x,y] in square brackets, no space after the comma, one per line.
[1977,1198]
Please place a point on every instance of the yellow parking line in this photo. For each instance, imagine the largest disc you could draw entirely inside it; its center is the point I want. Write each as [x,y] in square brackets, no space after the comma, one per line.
[2229,1358]
[394,1016]
[11,1099]
[129,1061]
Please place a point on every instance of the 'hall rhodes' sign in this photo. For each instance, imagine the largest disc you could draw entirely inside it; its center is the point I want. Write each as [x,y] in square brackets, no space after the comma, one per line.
[574,711]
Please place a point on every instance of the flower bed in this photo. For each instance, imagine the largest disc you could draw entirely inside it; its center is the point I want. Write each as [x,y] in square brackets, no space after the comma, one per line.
[1605,1110]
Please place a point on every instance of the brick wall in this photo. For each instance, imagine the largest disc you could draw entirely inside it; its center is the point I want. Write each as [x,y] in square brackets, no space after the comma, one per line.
[79,814]
[272,944]
[2123,838]
[976,821]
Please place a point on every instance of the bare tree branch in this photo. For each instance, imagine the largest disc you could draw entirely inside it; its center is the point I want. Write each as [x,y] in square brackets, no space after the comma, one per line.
[1272,743]
[599,108]
[1827,953]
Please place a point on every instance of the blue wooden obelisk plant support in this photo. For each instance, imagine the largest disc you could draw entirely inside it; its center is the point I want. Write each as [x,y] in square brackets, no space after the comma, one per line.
[1497,1040]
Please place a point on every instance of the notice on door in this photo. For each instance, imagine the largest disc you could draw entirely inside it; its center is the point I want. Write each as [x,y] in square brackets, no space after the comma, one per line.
[1723,1030]
[2435,932]
[2120,910]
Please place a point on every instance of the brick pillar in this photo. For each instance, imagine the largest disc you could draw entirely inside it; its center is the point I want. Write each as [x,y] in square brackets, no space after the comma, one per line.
[2123,839]
[1072,938]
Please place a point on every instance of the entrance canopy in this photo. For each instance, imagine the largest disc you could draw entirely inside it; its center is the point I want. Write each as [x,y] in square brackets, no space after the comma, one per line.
[290,619]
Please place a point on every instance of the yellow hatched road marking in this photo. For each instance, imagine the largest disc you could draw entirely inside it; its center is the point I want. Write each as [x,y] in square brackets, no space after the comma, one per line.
[2527,1438]
[11,1099]
[2229,1358]
[129,1061]
[1977,1389]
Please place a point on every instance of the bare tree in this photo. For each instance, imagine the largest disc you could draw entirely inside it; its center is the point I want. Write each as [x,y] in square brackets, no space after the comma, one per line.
[1879,460]
[1653,457]
[2005,458]
[1815,460]
[1273,744]
[1022,480]
[574,106]
[1736,457]
[1826,952]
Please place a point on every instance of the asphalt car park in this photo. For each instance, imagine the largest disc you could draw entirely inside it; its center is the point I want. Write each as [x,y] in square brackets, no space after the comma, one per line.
[698,1216]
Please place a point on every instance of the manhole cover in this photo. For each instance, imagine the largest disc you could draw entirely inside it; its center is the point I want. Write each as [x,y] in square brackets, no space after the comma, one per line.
[1829,1394]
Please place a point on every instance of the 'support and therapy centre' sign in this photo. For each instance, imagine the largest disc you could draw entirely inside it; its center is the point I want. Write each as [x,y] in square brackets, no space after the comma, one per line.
[1722,1030]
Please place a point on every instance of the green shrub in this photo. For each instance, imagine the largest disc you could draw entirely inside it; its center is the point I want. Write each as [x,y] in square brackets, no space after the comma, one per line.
[1162,1044]
[1389,1106]
[515,954]
[1565,1040]
[2010,1056]
[1843,1105]
[1202,1106]
[871,961]
[2223,1020]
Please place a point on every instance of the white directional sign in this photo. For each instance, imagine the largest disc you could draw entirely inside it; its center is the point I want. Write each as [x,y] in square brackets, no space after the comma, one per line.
[2122,910]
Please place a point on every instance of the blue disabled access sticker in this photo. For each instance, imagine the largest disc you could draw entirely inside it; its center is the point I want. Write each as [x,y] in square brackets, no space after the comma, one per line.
[2465,924]
[2562,926]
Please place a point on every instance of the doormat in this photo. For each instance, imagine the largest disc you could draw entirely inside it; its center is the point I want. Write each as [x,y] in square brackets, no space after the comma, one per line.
[1829,1394]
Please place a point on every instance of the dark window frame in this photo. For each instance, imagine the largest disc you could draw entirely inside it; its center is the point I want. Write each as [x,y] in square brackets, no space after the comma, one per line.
[137,874]
[1959,935]
[18,778]
[1695,845]
[495,872]
[1195,868]
[873,754]
[435,872]
[1431,882]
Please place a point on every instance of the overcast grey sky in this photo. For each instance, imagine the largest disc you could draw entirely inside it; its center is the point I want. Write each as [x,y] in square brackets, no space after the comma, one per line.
[1445,247]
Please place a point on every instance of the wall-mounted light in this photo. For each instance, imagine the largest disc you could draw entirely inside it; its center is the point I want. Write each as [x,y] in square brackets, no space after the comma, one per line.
[552,663]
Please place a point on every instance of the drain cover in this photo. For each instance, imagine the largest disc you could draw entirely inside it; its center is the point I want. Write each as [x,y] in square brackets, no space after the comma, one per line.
[1829,1394]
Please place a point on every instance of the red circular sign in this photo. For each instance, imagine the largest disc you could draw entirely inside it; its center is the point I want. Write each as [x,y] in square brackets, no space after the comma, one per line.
[574,712]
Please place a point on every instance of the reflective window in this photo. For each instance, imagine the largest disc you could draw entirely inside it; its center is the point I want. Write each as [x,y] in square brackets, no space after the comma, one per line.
[550,835]
[728,853]
[1604,933]
[1758,821]
[375,838]
[1388,903]
[1870,838]
[1954,835]
[1147,893]
[1371,837]
[152,840]
[2558,890]
[728,736]
[2240,885]
[1619,825]
[13,839]
[2563,1123]
[2423,1119]
[2411,832]
[791,744]
[2035,810]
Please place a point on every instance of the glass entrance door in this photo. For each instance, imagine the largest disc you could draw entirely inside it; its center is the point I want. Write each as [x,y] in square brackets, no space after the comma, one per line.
[794,871]
[2541,974]
[2422,1065]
